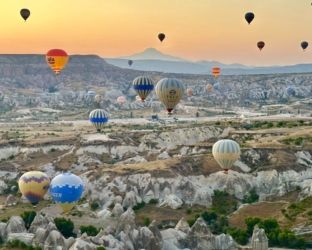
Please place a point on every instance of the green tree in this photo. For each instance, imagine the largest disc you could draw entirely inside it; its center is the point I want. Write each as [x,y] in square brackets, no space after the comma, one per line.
[28,217]
[65,226]
[89,230]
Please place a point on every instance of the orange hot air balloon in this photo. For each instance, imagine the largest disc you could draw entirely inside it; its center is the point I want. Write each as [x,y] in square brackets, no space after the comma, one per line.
[216,71]
[57,60]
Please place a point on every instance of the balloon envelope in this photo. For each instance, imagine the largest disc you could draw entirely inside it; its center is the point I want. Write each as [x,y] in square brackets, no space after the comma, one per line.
[143,86]
[34,185]
[25,13]
[189,92]
[261,45]
[304,45]
[161,36]
[215,71]
[130,62]
[226,153]
[98,117]
[66,189]
[169,92]
[121,100]
[209,87]
[249,16]
[57,60]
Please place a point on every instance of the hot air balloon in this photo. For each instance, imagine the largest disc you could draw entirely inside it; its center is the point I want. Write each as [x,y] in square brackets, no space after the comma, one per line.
[226,153]
[34,185]
[215,71]
[25,13]
[66,189]
[130,62]
[143,86]
[249,16]
[304,45]
[189,92]
[217,86]
[121,100]
[261,45]
[98,98]
[169,92]
[57,60]
[161,36]
[209,87]
[98,118]
[290,90]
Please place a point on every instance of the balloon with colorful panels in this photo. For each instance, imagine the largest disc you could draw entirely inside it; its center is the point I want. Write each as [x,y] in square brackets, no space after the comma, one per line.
[34,185]
[143,85]
[169,92]
[66,190]
[57,60]
[98,117]
[226,153]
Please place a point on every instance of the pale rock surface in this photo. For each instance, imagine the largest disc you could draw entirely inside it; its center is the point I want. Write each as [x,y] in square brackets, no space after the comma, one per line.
[15,225]
[27,238]
[172,201]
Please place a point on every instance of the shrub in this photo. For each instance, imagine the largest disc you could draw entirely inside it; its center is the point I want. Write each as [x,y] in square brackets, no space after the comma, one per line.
[239,235]
[100,248]
[146,221]
[209,217]
[65,226]
[94,205]
[189,210]
[153,201]
[223,203]
[28,217]
[139,206]
[89,230]
[251,197]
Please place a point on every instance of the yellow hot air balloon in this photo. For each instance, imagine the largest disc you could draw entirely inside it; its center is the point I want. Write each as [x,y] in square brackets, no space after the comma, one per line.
[34,185]
[57,60]
[169,92]
[226,153]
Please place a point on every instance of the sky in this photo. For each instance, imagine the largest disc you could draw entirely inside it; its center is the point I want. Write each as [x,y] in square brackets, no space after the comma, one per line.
[195,29]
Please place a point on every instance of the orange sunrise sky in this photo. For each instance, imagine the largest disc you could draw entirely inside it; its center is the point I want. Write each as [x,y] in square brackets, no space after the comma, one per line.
[195,29]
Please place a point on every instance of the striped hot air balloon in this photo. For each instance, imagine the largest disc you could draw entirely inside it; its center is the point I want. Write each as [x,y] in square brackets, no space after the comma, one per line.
[143,86]
[226,153]
[34,185]
[98,118]
[169,92]
[66,190]
[57,60]
[216,71]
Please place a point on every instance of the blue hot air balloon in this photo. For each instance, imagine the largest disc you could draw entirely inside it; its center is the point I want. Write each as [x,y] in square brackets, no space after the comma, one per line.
[143,86]
[98,118]
[66,189]
[290,91]
[217,86]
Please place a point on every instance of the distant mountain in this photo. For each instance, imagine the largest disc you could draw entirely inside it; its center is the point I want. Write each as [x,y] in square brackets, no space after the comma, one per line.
[153,60]
[152,54]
